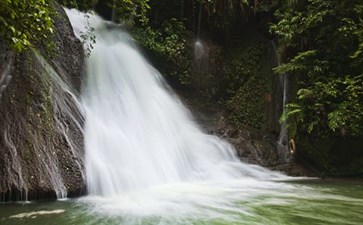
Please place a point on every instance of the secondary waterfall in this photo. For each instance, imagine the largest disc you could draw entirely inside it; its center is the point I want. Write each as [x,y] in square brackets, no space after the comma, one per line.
[282,141]
[140,138]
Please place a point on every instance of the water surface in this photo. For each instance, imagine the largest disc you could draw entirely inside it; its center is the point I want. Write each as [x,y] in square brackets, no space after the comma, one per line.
[303,202]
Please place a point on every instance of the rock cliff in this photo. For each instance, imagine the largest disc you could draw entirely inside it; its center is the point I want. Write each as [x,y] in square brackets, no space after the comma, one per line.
[41,144]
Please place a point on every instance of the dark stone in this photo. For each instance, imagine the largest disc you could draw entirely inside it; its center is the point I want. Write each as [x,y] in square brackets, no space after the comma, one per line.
[41,142]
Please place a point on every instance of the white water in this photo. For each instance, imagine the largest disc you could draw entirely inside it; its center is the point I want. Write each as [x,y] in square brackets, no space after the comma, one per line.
[282,141]
[145,155]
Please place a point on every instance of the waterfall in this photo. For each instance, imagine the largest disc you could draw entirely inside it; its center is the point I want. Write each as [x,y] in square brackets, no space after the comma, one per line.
[199,21]
[283,136]
[140,138]
[201,54]
[199,50]
[200,58]
[5,72]
[282,141]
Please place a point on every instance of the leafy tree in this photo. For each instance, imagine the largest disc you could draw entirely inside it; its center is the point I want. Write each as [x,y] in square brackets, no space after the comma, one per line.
[130,10]
[322,46]
[24,23]
[167,45]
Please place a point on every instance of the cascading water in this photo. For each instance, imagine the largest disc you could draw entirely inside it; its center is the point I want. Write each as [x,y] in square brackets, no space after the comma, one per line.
[144,153]
[201,54]
[5,75]
[282,141]
[283,136]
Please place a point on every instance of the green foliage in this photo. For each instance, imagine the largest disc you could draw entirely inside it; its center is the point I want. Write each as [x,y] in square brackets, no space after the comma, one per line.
[247,105]
[130,11]
[334,105]
[244,65]
[168,47]
[25,23]
[322,41]
[222,13]
[235,7]
[84,5]
[247,86]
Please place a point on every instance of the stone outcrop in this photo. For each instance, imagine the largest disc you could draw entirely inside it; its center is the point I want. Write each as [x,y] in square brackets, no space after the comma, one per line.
[41,143]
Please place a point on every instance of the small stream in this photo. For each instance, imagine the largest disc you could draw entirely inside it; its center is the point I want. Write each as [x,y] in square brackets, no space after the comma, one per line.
[317,202]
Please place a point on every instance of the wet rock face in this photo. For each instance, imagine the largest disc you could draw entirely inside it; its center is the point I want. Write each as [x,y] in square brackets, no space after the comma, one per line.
[41,143]
[69,54]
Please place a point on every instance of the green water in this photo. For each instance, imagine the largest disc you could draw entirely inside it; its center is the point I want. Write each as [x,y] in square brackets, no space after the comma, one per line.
[335,202]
